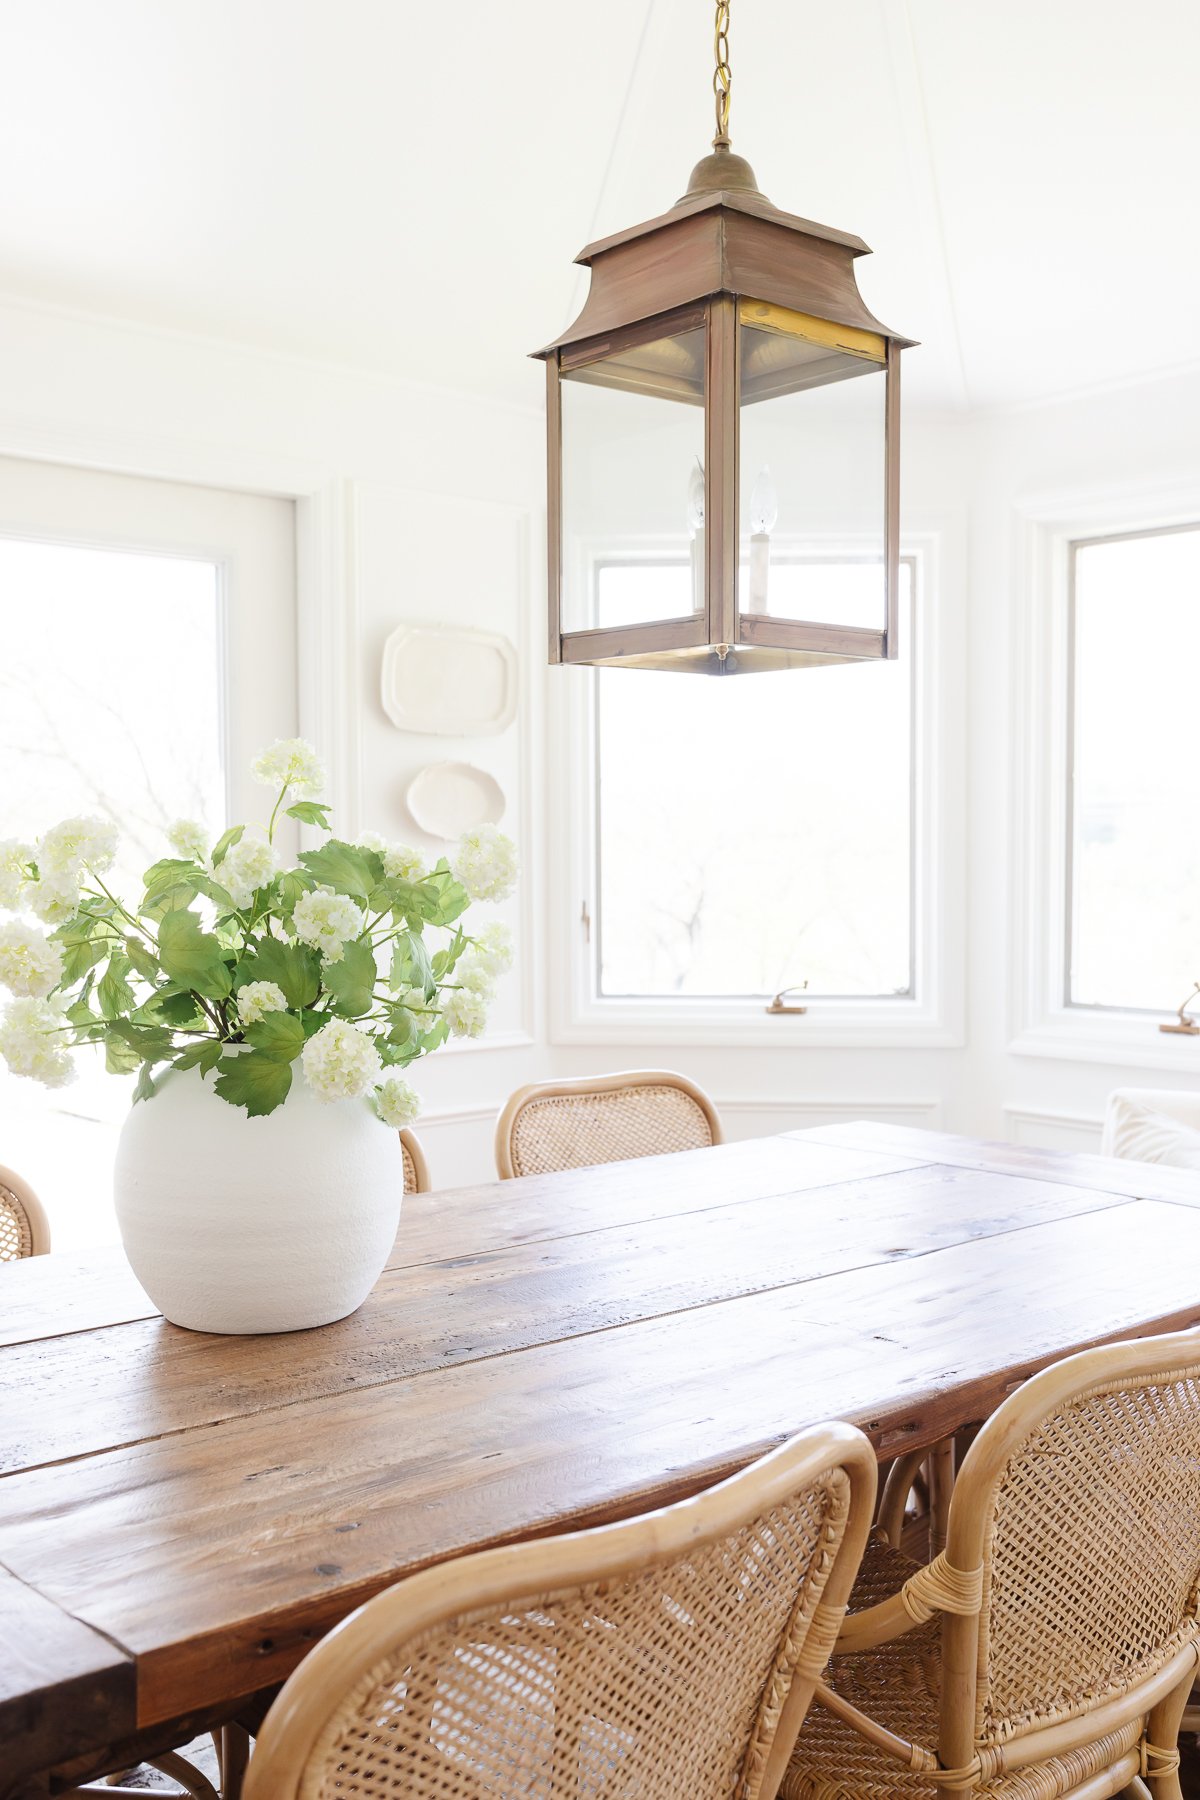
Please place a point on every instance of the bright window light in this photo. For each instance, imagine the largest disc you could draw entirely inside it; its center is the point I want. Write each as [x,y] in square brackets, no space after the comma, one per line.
[1134,886]
[754,832]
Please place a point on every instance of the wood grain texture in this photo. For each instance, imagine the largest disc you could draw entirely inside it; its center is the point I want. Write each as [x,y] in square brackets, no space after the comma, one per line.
[540,1353]
[1107,1174]
[62,1686]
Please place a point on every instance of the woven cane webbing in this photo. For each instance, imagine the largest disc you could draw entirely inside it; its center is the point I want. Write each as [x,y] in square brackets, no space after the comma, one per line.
[1094,1554]
[410,1169]
[659,1684]
[574,1131]
[898,1684]
[16,1237]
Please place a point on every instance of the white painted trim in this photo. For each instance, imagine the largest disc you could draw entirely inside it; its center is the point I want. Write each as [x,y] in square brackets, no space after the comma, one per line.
[329,641]
[935,1018]
[1086,1126]
[1040,1021]
[925,1112]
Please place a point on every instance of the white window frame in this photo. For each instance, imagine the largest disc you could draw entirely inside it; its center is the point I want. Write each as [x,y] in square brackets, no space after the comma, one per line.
[932,1016]
[1041,1021]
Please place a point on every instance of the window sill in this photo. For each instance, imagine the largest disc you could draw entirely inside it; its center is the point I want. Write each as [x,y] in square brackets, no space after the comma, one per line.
[827,1025]
[1130,1040]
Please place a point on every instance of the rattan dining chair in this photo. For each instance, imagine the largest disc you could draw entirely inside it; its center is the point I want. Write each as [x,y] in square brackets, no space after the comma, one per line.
[24,1227]
[556,1125]
[416,1169]
[1050,1649]
[672,1654]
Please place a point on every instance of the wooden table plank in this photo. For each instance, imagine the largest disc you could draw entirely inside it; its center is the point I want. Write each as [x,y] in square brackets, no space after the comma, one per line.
[92,1391]
[1106,1174]
[46,1297]
[216,1555]
[89,1683]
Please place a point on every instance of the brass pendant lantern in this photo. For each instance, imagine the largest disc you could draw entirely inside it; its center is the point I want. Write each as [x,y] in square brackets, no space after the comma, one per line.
[723,432]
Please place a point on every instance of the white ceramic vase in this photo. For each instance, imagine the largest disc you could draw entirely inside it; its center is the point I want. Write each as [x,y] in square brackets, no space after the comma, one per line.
[235,1224]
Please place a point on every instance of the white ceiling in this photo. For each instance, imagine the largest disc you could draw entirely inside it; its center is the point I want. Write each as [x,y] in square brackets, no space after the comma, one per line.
[403,189]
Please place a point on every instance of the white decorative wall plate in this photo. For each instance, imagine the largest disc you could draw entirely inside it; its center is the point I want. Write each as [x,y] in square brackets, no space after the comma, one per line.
[452,797]
[449,681]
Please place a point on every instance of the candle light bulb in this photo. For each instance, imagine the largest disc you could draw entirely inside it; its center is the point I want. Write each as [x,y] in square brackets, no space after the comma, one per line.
[695,497]
[764,503]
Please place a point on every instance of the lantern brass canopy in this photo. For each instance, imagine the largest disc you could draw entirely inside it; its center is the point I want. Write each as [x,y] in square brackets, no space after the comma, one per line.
[712,325]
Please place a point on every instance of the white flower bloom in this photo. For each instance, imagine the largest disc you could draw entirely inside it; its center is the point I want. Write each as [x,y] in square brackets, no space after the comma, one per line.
[15,858]
[328,921]
[188,838]
[341,1061]
[54,901]
[396,1103]
[31,1042]
[258,998]
[485,861]
[291,763]
[465,1012]
[245,867]
[66,848]
[29,962]
[472,975]
[492,950]
[401,863]
[371,840]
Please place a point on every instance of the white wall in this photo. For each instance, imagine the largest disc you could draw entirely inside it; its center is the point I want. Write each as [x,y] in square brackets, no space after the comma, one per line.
[439,497]
[436,504]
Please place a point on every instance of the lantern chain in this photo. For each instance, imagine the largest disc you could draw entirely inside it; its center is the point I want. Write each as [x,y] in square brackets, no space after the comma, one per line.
[722,77]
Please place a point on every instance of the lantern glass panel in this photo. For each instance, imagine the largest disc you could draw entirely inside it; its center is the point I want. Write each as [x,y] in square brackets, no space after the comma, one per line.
[812,480]
[632,476]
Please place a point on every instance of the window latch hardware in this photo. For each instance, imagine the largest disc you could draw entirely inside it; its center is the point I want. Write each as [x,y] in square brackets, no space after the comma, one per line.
[781,1003]
[585,919]
[1185,1026]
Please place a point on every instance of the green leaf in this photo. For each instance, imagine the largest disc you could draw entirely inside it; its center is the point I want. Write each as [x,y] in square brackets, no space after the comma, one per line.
[166,872]
[175,898]
[411,967]
[294,968]
[141,959]
[278,1036]
[310,812]
[204,1056]
[254,1081]
[120,1056]
[344,868]
[84,942]
[226,842]
[81,1014]
[145,1088]
[352,980]
[193,957]
[178,1008]
[113,992]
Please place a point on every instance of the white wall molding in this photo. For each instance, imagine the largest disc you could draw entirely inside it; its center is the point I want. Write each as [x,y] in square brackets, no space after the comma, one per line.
[1052,1130]
[329,642]
[783,1114]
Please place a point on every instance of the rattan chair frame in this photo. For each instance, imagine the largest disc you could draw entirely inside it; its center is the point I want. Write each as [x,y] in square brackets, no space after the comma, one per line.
[17,1191]
[412,1148]
[280,1764]
[962,1761]
[585,1087]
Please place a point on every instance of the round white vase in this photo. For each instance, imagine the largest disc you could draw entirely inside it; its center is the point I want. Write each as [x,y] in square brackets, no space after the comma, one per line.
[235,1224]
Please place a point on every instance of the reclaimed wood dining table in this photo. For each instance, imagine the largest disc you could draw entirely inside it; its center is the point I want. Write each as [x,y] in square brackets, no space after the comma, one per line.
[183,1515]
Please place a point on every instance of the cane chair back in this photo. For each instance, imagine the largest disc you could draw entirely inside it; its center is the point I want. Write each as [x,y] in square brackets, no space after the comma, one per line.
[24,1227]
[416,1169]
[1068,1592]
[670,1654]
[603,1118]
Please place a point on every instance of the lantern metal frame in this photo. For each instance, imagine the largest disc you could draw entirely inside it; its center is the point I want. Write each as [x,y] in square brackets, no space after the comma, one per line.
[721,258]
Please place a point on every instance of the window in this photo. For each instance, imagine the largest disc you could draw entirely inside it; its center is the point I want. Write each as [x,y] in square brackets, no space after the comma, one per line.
[754,834]
[150,649]
[1133,784]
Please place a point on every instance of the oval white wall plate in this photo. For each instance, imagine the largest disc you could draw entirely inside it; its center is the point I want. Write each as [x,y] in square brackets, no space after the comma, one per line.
[449,681]
[449,798]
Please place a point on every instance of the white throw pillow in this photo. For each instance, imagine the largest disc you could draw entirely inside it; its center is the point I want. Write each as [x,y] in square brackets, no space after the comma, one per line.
[1155,1137]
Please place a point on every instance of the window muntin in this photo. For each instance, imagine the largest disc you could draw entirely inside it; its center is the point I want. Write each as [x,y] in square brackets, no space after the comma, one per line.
[1133,784]
[753,834]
